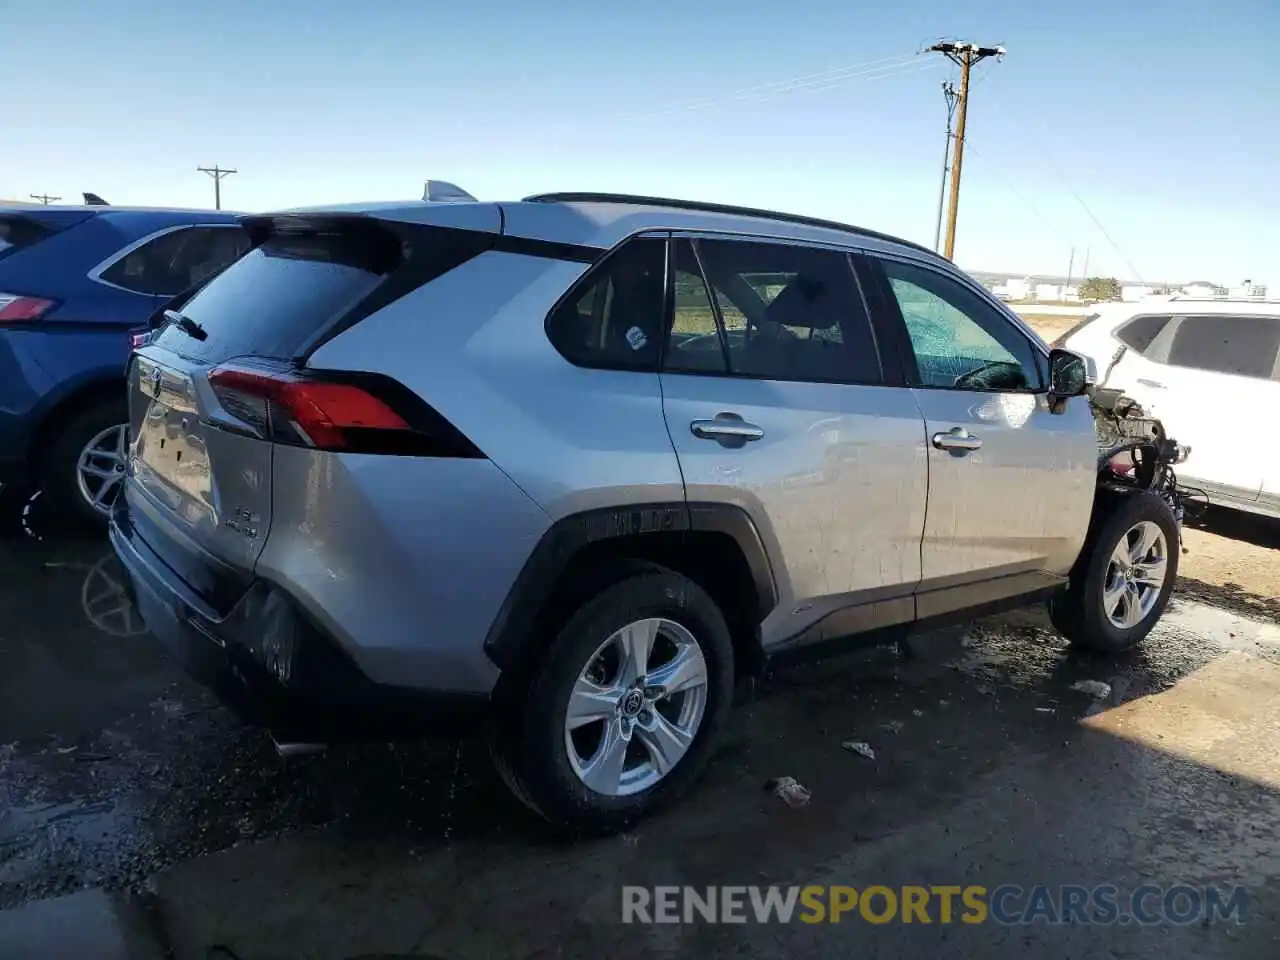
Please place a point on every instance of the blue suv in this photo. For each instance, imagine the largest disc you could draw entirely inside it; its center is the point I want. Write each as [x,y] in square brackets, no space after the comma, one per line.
[74,283]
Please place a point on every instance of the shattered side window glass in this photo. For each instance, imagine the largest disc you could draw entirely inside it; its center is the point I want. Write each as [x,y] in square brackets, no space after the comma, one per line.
[958,341]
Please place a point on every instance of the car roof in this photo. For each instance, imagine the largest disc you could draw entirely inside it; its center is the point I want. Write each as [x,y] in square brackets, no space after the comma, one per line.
[602,220]
[1187,306]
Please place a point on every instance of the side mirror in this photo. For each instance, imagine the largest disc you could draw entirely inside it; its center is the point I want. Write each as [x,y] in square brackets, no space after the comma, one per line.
[1070,375]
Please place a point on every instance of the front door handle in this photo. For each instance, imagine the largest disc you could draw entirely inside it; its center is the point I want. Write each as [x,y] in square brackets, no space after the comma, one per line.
[1154,384]
[727,429]
[957,440]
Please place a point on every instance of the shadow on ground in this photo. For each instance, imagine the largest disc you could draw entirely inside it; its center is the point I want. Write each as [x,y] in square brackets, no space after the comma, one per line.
[1235,525]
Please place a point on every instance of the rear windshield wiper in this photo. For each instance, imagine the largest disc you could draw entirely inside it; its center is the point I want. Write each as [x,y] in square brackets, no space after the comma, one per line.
[186,325]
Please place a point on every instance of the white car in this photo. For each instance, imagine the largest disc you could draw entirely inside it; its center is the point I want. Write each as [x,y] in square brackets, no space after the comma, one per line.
[1210,370]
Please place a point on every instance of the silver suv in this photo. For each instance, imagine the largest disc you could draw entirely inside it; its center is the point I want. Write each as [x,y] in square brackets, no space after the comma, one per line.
[572,464]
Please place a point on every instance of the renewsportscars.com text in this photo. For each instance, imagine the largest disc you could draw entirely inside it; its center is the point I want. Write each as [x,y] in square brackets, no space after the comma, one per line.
[938,904]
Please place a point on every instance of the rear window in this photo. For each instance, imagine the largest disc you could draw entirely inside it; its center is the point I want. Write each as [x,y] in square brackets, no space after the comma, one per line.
[19,232]
[275,299]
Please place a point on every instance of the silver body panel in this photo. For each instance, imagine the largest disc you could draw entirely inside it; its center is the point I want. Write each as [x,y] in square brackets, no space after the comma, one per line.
[406,561]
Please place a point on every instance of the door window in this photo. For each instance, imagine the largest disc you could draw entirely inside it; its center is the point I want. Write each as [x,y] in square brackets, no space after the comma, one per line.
[959,341]
[769,311]
[177,260]
[615,318]
[1241,346]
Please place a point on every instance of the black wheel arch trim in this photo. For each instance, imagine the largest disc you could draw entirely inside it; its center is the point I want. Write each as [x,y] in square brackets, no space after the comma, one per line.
[511,630]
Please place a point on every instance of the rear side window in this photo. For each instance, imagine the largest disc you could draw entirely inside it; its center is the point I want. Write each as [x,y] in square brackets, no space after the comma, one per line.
[19,232]
[769,311]
[1241,346]
[615,319]
[1139,332]
[177,260]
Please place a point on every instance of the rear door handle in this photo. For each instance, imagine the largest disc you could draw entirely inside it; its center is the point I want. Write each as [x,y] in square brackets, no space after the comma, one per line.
[957,440]
[727,429]
[1155,384]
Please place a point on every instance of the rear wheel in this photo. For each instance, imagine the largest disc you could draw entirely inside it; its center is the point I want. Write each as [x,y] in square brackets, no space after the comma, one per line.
[82,470]
[624,709]
[1123,579]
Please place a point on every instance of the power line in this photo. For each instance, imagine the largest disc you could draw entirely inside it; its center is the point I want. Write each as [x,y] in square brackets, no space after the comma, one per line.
[964,55]
[812,81]
[218,173]
[44,198]
[1009,184]
[880,74]
[1066,182]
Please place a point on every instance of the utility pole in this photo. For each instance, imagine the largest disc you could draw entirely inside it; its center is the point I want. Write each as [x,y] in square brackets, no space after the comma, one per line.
[949,93]
[217,173]
[1071,263]
[44,198]
[965,55]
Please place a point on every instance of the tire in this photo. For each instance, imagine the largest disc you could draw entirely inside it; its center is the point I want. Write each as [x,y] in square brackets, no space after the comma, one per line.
[1090,613]
[548,769]
[58,469]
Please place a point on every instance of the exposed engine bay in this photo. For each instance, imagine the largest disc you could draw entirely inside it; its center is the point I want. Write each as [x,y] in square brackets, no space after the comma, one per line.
[1134,452]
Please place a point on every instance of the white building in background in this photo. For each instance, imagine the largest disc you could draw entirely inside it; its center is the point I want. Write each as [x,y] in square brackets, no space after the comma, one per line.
[1130,292]
[1248,288]
[1201,288]
[1013,288]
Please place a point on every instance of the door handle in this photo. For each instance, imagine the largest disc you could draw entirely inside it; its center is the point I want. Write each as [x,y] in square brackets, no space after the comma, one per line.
[1151,383]
[727,429]
[957,440]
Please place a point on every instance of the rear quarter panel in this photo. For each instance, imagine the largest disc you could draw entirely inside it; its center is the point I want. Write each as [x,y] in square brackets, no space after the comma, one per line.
[472,344]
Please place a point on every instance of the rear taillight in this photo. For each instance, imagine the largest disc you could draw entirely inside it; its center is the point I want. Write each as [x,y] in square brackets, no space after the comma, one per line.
[351,413]
[15,308]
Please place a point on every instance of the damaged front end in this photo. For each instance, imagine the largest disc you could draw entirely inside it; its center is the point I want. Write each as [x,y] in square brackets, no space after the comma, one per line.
[1134,452]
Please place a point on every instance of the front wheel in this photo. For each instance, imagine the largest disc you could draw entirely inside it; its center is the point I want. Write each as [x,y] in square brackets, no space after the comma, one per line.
[624,708]
[1122,581]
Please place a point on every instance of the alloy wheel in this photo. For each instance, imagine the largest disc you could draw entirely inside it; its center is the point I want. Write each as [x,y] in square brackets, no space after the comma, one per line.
[1136,575]
[100,468]
[636,707]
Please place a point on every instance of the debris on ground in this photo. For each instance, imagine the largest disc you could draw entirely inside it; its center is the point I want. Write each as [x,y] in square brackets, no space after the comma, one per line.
[789,790]
[1094,688]
[893,726]
[859,747]
[1044,709]
[917,713]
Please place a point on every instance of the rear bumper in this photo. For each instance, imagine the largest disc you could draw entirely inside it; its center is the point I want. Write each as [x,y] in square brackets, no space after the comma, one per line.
[273,667]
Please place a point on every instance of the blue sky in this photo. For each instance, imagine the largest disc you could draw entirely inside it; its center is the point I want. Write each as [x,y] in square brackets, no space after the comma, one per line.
[1161,118]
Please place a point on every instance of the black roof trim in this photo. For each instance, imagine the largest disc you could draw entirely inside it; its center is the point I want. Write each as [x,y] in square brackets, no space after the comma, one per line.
[721,208]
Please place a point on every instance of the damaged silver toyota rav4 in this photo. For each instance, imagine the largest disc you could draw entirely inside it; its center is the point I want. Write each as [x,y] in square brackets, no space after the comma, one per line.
[561,469]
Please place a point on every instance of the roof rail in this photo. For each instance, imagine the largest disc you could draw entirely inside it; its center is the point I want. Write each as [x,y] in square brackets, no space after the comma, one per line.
[721,208]
[1224,298]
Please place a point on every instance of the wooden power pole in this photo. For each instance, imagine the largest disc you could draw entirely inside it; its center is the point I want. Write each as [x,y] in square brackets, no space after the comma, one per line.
[217,173]
[965,55]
